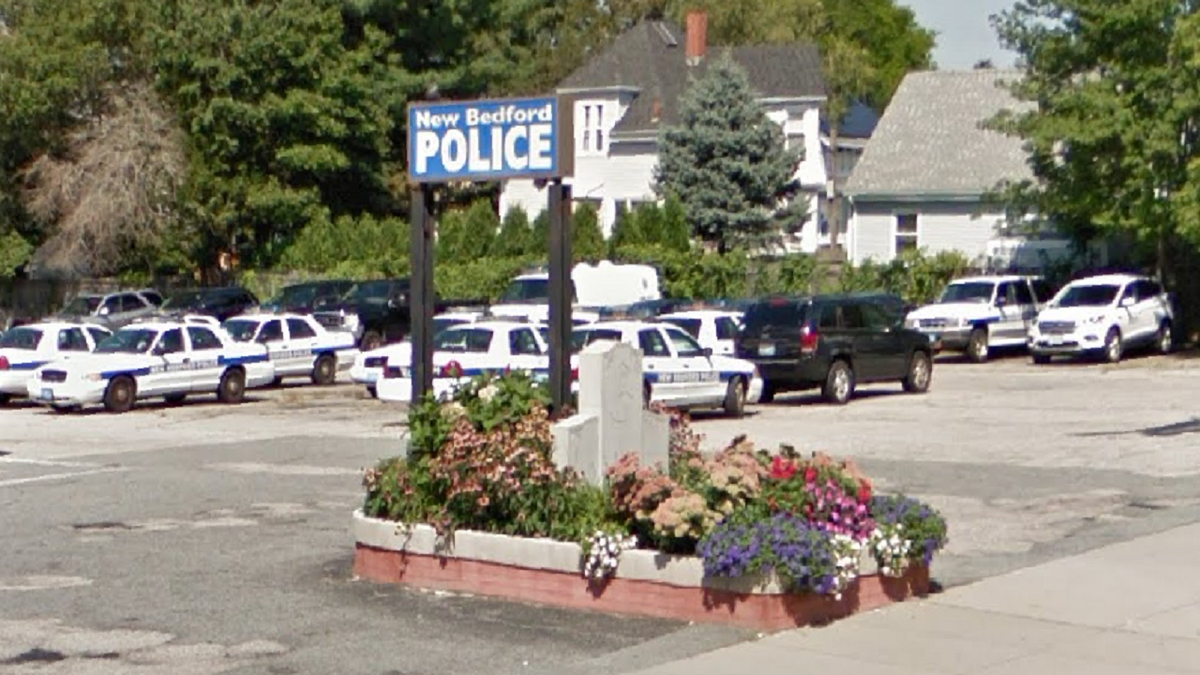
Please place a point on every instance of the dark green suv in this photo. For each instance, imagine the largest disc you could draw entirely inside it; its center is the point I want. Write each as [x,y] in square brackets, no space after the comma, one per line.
[834,343]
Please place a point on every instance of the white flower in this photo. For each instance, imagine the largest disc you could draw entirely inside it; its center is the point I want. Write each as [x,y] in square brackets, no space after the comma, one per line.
[487,393]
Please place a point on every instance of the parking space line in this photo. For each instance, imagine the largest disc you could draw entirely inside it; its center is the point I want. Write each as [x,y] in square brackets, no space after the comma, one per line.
[59,476]
[46,462]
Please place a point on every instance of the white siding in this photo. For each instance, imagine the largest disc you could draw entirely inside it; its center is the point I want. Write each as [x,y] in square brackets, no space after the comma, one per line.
[523,194]
[940,227]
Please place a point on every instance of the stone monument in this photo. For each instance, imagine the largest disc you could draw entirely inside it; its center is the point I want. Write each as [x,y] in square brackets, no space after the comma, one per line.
[612,420]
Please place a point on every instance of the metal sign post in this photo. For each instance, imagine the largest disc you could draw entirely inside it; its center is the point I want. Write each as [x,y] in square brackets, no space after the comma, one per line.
[560,294]
[491,140]
[421,293]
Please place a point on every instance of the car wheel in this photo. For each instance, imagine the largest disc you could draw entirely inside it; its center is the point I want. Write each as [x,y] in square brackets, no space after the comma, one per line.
[370,341]
[1165,339]
[5,398]
[373,392]
[646,395]
[768,393]
[175,399]
[120,395]
[839,383]
[232,388]
[325,370]
[1041,359]
[277,382]
[920,372]
[735,398]
[977,346]
[1112,346]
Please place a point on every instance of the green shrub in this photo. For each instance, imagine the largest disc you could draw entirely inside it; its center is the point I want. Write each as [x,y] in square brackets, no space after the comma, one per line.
[516,238]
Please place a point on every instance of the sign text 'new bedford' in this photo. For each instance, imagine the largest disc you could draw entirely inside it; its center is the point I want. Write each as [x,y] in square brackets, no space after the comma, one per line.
[488,140]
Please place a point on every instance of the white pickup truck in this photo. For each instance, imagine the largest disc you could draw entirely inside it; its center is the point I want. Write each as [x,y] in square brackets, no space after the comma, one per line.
[594,287]
[1103,315]
[976,314]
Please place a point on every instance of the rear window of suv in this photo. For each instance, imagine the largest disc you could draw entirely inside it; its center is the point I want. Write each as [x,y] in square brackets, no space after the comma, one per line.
[774,313]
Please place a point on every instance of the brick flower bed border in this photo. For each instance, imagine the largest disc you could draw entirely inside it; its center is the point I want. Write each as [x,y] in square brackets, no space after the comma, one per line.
[647,583]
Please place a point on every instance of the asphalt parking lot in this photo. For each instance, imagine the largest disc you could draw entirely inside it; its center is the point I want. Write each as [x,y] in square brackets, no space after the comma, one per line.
[208,539]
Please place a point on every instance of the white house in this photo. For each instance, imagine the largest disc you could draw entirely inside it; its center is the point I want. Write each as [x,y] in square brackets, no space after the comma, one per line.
[928,173]
[627,91]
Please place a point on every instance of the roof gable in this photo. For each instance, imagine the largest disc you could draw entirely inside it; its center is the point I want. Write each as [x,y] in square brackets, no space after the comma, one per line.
[930,140]
[651,57]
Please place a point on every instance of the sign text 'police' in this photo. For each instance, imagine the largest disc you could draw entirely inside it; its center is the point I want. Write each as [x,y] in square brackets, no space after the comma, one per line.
[484,140]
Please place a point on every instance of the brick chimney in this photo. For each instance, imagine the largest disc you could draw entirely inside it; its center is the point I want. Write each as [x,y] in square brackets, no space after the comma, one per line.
[697,36]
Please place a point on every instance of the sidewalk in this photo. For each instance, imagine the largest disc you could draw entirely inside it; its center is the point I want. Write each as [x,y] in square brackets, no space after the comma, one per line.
[1130,609]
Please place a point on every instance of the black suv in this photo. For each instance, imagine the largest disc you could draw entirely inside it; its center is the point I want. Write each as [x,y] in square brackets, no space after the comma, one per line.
[833,342]
[221,303]
[309,296]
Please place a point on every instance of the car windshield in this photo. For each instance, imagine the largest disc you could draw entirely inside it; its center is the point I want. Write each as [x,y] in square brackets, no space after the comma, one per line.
[1088,296]
[692,326]
[371,292]
[527,290]
[186,300]
[295,296]
[128,341]
[84,304]
[473,340]
[973,291]
[21,338]
[241,330]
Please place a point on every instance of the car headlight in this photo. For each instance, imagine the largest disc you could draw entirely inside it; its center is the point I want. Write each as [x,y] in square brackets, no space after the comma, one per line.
[93,377]
[963,322]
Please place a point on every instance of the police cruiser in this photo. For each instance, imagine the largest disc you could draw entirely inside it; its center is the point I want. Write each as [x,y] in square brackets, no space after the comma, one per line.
[172,360]
[298,345]
[676,370]
[26,348]
[462,352]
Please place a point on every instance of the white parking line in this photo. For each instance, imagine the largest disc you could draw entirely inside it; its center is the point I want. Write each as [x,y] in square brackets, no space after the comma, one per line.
[58,476]
[45,462]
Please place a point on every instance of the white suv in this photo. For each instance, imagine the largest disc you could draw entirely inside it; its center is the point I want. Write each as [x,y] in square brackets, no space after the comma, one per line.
[1103,315]
[976,314]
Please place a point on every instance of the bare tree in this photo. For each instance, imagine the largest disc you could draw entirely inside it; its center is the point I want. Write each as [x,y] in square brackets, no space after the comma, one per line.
[111,192]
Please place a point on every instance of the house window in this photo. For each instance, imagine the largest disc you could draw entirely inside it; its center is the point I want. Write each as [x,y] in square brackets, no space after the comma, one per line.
[591,137]
[587,126]
[599,128]
[906,232]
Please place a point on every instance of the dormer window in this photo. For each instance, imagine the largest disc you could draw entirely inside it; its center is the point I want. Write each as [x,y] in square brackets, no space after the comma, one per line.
[591,137]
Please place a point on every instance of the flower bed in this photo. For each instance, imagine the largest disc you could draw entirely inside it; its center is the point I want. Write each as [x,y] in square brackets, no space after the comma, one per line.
[762,539]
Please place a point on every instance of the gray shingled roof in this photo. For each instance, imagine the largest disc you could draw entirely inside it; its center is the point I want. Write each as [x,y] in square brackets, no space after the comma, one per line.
[930,142]
[651,56]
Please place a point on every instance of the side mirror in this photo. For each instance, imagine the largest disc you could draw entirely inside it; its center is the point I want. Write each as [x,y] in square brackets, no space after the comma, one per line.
[104,311]
[160,350]
[707,351]
[1128,302]
[1001,301]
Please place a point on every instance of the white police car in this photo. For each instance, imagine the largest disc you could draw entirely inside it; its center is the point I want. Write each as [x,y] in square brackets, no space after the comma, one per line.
[678,372]
[713,329]
[465,351]
[140,361]
[297,344]
[24,349]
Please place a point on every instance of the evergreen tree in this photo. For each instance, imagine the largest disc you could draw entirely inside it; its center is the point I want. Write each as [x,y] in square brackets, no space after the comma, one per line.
[516,235]
[626,232]
[726,160]
[587,241]
[676,232]
[539,244]
[650,223]
[464,236]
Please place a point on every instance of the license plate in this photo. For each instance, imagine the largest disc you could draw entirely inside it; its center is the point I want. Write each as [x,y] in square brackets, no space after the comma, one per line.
[766,350]
[46,395]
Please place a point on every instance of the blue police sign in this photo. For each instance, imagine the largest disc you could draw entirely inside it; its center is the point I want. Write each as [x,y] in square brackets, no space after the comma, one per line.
[489,140]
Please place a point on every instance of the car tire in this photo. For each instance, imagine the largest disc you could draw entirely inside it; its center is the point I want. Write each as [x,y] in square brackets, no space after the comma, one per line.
[5,398]
[277,382]
[1041,359]
[325,370]
[839,383]
[370,341]
[735,398]
[977,346]
[1112,346]
[374,393]
[175,399]
[646,393]
[920,373]
[120,394]
[768,393]
[1164,343]
[232,388]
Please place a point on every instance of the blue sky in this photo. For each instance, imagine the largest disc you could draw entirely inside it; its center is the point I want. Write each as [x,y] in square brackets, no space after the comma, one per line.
[964,34]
